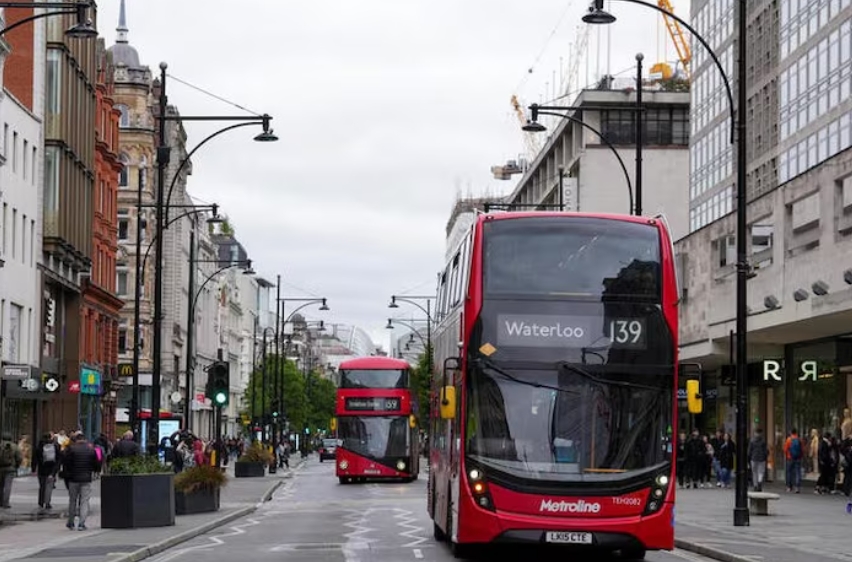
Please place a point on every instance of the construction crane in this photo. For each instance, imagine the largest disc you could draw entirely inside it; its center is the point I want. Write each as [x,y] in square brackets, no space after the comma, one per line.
[678,38]
[531,139]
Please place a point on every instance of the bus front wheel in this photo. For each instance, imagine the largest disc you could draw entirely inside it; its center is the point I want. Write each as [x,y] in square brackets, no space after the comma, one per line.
[343,480]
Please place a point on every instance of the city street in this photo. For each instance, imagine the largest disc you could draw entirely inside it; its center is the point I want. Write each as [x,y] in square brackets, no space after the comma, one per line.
[312,518]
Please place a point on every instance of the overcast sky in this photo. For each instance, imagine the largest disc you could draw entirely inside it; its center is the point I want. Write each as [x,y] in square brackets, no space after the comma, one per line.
[386,111]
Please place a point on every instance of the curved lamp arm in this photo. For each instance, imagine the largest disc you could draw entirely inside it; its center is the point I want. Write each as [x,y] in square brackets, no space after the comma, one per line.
[606,142]
[298,308]
[187,158]
[395,298]
[35,17]
[599,6]
[173,220]
[414,330]
[210,277]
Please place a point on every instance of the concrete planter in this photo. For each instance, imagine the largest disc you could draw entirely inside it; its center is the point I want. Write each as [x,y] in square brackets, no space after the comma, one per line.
[130,501]
[205,500]
[244,469]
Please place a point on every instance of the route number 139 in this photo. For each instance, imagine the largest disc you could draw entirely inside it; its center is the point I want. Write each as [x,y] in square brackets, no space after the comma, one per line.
[625,331]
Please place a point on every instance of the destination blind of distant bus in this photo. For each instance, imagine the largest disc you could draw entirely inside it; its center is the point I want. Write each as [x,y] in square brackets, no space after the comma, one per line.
[373,404]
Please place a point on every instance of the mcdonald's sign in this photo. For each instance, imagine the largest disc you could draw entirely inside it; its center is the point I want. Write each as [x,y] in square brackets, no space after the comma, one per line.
[125,369]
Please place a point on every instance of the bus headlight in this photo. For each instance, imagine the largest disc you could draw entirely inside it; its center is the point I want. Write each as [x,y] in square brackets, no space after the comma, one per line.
[479,489]
[344,464]
[656,498]
[400,465]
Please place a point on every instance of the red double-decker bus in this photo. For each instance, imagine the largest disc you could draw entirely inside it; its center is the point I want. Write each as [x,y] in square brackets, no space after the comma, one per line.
[553,417]
[376,426]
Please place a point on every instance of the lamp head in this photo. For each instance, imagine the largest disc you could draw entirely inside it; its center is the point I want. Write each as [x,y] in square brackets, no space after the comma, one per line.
[324,306]
[248,270]
[534,127]
[321,327]
[597,15]
[393,303]
[267,135]
[390,324]
[84,28]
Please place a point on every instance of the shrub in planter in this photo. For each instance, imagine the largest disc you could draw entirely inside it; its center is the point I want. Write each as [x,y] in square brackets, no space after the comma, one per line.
[197,489]
[137,492]
[253,462]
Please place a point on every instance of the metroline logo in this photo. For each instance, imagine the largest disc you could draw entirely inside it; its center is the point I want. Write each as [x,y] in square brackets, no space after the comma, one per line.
[580,506]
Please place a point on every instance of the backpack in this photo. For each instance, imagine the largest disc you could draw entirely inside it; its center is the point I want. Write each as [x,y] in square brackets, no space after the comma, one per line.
[48,453]
[7,456]
[795,449]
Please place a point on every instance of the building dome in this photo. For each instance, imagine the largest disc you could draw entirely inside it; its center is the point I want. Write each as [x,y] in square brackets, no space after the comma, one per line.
[123,54]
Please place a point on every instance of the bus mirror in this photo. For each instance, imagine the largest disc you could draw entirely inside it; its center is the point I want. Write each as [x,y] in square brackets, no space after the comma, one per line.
[412,421]
[450,364]
[333,425]
[694,400]
[448,402]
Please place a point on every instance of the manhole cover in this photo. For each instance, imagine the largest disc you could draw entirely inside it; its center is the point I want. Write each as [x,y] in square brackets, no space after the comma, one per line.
[86,551]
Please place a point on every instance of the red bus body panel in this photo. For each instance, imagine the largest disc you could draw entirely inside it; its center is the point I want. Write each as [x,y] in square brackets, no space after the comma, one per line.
[359,466]
[521,511]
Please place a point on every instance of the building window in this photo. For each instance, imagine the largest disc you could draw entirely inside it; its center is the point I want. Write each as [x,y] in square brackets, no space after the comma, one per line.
[661,126]
[122,340]
[53,85]
[726,250]
[124,119]
[16,316]
[762,240]
[51,182]
[122,175]
[123,226]
[121,283]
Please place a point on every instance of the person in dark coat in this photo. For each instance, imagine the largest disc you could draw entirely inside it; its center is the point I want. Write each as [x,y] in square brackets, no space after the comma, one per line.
[47,460]
[80,462]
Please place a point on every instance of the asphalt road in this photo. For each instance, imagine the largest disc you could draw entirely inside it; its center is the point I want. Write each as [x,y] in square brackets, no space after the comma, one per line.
[315,519]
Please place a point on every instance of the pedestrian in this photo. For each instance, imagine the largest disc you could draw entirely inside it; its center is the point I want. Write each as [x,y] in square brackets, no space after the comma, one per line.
[696,456]
[80,463]
[126,447]
[794,453]
[10,461]
[47,463]
[758,453]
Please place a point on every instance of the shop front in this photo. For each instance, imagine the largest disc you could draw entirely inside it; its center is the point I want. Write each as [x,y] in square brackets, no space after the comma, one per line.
[805,387]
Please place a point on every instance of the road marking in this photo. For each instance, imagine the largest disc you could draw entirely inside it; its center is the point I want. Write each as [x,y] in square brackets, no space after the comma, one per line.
[418,553]
[214,541]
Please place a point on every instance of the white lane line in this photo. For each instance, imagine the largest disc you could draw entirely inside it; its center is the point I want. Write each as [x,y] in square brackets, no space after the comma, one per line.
[418,553]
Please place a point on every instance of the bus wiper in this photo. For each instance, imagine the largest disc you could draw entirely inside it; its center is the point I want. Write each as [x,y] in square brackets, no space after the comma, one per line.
[566,366]
[483,361]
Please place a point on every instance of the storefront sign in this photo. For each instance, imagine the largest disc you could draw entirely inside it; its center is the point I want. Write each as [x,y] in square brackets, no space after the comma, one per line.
[16,372]
[125,369]
[90,381]
[773,370]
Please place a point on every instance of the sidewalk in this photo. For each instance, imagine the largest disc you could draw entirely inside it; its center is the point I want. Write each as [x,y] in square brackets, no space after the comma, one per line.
[801,527]
[48,538]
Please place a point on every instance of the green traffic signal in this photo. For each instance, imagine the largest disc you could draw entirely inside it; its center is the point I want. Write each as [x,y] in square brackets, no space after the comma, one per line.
[218,384]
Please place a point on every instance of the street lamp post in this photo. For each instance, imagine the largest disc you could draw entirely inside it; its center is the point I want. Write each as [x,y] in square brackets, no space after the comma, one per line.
[163,159]
[83,29]
[137,297]
[193,295]
[533,126]
[597,15]
[412,300]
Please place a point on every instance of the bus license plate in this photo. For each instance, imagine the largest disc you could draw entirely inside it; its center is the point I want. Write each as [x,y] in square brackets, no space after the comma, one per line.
[568,538]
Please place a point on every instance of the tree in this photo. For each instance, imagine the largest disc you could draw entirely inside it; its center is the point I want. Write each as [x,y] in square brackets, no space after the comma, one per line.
[422,384]
[322,395]
[308,400]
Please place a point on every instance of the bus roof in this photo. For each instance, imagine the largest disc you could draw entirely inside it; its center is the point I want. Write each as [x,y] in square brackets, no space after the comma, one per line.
[528,214]
[374,363]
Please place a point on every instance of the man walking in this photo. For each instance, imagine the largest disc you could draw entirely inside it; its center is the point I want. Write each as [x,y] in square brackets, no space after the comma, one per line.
[10,461]
[79,462]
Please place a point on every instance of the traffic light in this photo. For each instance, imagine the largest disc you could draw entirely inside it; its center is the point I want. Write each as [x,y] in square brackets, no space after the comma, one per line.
[275,408]
[219,384]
